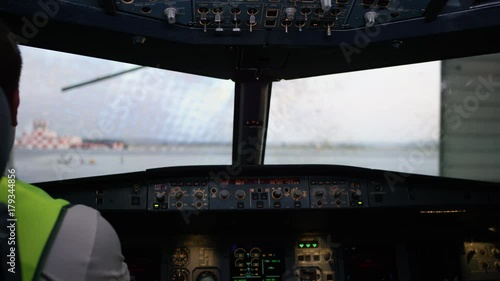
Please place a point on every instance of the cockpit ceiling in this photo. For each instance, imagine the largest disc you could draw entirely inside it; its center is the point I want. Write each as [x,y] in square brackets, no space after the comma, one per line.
[265,39]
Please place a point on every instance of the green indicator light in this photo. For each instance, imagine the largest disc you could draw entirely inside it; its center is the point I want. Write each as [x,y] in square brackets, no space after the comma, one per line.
[315,245]
[308,245]
[156,206]
[301,245]
[360,203]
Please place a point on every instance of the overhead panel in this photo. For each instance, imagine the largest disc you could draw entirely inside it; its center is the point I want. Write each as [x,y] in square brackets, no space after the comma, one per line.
[236,17]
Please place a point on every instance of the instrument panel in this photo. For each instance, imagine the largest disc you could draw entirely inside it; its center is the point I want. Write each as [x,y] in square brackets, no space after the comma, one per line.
[240,258]
[280,188]
[318,257]
[296,222]
[261,193]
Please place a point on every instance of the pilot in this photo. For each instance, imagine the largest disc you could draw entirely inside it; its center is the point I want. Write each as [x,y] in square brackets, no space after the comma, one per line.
[42,238]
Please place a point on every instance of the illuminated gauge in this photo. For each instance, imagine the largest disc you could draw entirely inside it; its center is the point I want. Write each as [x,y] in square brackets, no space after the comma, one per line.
[179,275]
[255,262]
[206,276]
[239,253]
[255,253]
[180,257]
[239,263]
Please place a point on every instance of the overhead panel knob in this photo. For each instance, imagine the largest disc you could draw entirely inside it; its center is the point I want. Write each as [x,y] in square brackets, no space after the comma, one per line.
[356,194]
[199,194]
[240,194]
[290,13]
[326,5]
[160,196]
[224,194]
[337,193]
[178,195]
[370,18]
[277,194]
[297,193]
[170,13]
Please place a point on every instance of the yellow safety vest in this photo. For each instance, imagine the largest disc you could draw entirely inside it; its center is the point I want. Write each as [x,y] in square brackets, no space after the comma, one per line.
[38,217]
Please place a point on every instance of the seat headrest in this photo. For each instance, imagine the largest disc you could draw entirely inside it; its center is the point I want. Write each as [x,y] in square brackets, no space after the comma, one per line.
[7,131]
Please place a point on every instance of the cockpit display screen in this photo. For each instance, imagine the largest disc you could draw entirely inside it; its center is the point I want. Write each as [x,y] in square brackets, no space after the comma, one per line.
[256,262]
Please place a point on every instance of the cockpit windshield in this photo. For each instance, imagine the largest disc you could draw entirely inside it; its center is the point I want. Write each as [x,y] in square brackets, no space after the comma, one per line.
[109,117]
[141,119]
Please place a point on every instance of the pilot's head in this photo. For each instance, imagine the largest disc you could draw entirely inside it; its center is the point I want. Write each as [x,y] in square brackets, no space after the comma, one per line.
[10,72]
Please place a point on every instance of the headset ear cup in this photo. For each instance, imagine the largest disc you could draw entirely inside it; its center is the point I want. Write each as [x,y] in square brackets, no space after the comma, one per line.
[7,132]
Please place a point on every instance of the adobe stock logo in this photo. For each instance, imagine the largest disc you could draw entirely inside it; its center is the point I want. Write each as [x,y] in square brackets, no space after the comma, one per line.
[40,19]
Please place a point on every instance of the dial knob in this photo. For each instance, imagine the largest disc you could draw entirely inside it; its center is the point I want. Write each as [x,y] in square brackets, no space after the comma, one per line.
[136,190]
[170,13]
[370,18]
[224,194]
[206,276]
[319,193]
[496,252]
[497,265]
[199,194]
[356,194]
[180,257]
[277,194]
[240,194]
[337,193]
[160,196]
[179,275]
[297,193]
[290,13]
[178,195]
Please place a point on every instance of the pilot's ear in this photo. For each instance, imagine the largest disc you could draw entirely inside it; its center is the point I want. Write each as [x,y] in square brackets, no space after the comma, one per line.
[14,104]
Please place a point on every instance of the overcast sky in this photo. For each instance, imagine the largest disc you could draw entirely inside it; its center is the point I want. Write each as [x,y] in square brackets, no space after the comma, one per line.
[390,105]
